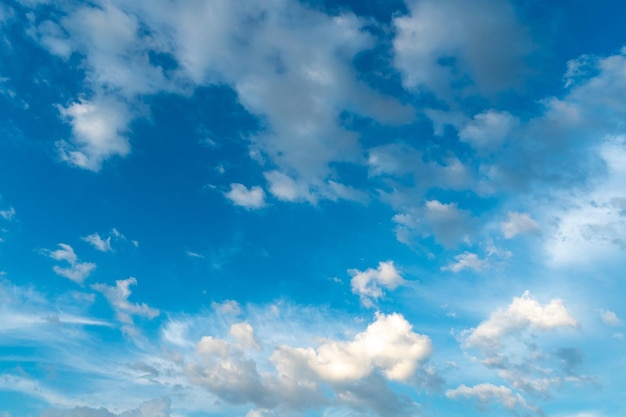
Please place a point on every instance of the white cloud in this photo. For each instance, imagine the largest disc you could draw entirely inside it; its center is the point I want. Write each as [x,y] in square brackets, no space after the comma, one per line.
[369,284]
[77,271]
[98,129]
[249,198]
[487,393]
[285,188]
[243,334]
[8,214]
[225,370]
[523,313]
[94,239]
[388,344]
[117,296]
[466,260]
[609,317]
[488,129]
[440,42]
[519,223]
[448,224]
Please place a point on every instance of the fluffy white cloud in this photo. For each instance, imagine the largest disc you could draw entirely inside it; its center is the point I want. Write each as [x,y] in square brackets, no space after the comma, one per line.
[509,342]
[117,296]
[488,393]
[249,198]
[369,284]
[523,313]
[488,129]
[98,129]
[77,271]
[519,223]
[440,42]
[388,344]
[243,334]
[466,260]
[287,189]
[95,240]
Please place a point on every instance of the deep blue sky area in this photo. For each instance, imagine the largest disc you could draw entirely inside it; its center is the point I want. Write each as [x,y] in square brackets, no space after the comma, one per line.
[312,208]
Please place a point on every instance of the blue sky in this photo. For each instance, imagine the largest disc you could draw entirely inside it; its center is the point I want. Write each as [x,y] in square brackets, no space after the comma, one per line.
[312,208]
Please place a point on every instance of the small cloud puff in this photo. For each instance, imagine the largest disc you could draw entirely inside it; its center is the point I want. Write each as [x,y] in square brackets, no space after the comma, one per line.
[369,284]
[248,198]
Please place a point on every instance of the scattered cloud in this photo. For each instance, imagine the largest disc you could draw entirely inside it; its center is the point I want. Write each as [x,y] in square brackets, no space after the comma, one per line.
[117,296]
[466,260]
[98,129]
[489,393]
[609,317]
[94,239]
[488,129]
[523,313]
[249,198]
[519,223]
[369,284]
[8,214]
[77,271]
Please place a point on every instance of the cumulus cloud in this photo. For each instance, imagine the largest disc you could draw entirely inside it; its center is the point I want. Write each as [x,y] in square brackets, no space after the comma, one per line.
[519,223]
[249,198]
[388,345]
[523,313]
[488,129]
[466,260]
[335,371]
[98,132]
[509,342]
[440,42]
[489,393]
[285,188]
[76,271]
[117,296]
[369,284]
[224,369]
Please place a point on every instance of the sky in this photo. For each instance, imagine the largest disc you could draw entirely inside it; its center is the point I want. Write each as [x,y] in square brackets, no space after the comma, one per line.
[312,208]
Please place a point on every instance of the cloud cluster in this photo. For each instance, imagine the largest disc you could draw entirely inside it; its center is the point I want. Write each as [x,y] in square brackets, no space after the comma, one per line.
[508,343]
[76,271]
[369,284]
[234,369]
